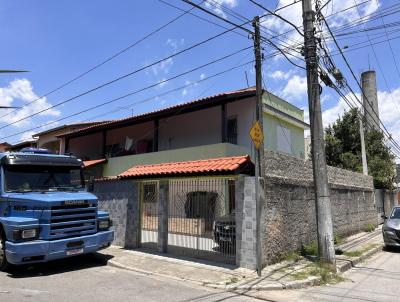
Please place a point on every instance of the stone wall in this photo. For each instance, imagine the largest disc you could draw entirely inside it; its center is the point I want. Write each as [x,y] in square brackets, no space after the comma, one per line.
[289,218]
[121,199]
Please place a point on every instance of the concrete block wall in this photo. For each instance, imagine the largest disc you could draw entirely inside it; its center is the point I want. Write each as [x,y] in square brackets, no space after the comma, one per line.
[121,200]
[246,222]
[289,218]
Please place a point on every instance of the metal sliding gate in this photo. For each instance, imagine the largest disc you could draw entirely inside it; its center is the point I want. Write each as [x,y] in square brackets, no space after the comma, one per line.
[149,214]
[201,218]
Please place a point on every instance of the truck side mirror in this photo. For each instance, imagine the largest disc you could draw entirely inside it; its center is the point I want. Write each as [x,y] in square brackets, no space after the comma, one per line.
[384,216]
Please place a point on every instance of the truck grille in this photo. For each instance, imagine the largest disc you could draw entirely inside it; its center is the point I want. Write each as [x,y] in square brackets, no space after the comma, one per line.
[72,220]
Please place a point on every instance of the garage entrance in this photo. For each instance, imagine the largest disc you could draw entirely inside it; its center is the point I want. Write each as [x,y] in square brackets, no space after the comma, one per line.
[200,218]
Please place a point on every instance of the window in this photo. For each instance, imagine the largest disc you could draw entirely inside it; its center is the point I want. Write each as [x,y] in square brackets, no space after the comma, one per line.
[27,178]
[149,193]
[232,130]
[284,139]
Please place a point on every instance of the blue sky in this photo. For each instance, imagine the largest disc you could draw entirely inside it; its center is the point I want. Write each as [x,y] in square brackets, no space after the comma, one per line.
[58,40]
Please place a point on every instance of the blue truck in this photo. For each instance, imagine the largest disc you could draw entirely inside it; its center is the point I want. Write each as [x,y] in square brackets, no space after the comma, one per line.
[45,212]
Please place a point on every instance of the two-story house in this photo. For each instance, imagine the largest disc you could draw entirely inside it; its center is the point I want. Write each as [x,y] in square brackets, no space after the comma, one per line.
[211,127]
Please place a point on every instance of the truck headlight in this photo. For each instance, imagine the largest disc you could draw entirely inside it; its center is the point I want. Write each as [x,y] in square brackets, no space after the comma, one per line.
[104,224]
[26,234]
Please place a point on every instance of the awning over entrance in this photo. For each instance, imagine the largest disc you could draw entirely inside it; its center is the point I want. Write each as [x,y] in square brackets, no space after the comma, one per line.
[214,166]
[95,162]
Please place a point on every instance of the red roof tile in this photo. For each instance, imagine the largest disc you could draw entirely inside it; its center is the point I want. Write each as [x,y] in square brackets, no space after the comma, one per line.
[91,163]
[215,165]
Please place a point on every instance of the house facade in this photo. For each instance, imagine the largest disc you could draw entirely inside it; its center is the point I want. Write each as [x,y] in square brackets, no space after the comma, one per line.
[175,180]
[212,127]
[48,139]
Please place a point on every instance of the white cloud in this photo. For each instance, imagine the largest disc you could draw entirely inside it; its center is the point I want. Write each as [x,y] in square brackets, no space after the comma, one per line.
[22,90]
[215,5]
[175,43]
[294,15]
[281,75]
[202,76]
[27,136]
[296,88]
[162,67]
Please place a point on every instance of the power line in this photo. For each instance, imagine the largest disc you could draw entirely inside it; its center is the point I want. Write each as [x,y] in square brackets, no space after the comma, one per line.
[123,76]
[352,73]
[103,62]
[142,89]
[278,16]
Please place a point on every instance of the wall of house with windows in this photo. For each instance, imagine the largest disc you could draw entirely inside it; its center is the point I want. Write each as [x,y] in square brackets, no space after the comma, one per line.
[282,136]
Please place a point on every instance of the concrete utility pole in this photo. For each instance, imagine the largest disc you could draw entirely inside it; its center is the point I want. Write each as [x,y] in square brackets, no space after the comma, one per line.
[363,152]
[326,249]
[259,152]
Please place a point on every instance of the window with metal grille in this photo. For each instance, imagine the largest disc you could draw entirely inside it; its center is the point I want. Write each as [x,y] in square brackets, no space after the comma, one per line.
[149,193]
[232,130]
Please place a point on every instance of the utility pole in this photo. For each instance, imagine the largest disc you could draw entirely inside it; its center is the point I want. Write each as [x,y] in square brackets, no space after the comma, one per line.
[326,249]
[259,151]
[363,153]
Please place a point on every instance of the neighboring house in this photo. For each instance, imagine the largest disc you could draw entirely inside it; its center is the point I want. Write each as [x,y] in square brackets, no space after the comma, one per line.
[25,144]
[4,146]
[211,127]
[48,139]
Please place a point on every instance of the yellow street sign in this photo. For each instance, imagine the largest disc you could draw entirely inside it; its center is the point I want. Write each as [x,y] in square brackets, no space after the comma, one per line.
[257,135]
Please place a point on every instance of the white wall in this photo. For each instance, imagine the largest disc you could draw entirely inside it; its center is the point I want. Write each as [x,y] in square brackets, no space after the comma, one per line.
[244,110]
[135,132]
[191,129]
[90,146]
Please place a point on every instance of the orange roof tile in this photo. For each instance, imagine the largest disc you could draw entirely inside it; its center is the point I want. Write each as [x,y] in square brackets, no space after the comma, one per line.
[91,163]
[205,166]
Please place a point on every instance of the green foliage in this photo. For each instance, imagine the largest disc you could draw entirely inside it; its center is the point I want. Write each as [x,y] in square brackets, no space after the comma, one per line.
[320,270]
[310,249]
[337,239]
[343,150]
[369,228]
[292,256]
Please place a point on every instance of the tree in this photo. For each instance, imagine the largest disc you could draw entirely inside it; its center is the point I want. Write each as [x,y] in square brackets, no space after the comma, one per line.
[343,149]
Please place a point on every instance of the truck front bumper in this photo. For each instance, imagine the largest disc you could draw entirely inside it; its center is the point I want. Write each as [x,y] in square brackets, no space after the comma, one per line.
[43,250]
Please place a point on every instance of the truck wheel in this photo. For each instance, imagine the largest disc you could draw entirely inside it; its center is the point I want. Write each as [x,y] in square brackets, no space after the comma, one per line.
[3,260]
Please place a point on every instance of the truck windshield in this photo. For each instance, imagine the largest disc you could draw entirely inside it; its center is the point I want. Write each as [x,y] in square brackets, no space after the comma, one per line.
[41,178]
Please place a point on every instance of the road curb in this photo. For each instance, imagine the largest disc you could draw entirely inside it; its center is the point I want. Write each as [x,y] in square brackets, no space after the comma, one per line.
[272,286]
[352,263]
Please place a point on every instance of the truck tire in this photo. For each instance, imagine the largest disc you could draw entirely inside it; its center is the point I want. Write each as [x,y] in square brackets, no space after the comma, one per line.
[4,265]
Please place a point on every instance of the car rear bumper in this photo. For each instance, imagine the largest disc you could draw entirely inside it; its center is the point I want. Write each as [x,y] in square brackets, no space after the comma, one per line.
[43,250]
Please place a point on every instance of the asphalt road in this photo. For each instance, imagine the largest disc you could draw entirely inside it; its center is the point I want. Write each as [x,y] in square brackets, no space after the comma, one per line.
[377,279]
[86,279]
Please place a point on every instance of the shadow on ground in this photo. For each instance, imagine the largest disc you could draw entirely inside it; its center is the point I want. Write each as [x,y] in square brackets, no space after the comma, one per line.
[59,266]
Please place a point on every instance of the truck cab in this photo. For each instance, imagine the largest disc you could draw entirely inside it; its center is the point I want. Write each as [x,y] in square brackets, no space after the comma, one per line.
[45,212]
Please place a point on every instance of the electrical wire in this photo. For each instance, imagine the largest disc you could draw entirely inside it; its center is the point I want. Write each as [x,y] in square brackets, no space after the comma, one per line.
[104,61]
[121,77]
[138,91]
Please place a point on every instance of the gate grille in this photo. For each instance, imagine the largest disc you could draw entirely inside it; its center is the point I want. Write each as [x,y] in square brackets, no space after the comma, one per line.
[149,214]
[201,219]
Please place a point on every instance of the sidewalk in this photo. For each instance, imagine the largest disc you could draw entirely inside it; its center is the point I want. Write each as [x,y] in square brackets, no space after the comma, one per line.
[296,273]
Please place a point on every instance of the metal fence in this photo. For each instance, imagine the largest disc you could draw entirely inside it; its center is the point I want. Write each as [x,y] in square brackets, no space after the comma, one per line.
[201,218]
[149,214]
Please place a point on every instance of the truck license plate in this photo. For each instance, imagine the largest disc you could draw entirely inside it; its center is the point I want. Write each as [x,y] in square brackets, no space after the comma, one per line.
[75,252]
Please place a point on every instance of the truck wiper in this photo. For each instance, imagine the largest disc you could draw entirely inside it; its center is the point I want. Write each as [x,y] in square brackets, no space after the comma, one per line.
[63,189]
